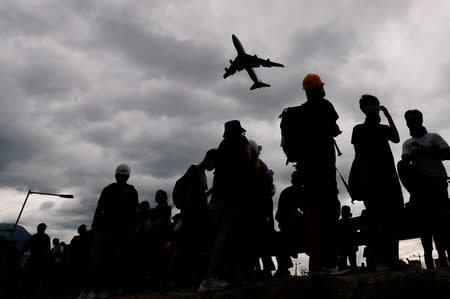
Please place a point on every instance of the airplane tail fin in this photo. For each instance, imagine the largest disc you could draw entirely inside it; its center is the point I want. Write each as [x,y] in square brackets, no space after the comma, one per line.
[259,85]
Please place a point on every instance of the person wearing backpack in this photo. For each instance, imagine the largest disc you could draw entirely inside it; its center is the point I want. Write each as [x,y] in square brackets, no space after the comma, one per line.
[232,188]
[308,140]
[190,195]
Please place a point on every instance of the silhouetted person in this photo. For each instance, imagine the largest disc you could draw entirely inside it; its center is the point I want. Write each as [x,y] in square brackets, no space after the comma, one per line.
[158,232]
[347,248]
[317,160]
[79,249]
[136,253]
[192,239]
[424,176]
[259,211]
[113,222]
[142,215]
[57,261]
[38,261]
[374,180]
[291,223]
[232,186]
[9,262]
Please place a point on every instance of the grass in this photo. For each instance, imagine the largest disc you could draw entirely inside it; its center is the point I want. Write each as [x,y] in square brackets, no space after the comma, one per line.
[409,284]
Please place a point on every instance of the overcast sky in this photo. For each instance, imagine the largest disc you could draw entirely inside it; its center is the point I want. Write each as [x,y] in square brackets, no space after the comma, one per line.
[86,85]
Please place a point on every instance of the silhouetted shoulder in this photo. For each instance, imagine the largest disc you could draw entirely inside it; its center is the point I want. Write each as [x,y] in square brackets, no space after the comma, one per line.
[436,139]
[363,132]
[329,108]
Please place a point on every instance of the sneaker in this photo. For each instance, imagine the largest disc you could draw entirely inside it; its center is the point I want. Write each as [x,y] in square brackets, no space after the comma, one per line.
[87,295]
[328,271]
[83,295]
[91,295]
[104,295]
[212,285]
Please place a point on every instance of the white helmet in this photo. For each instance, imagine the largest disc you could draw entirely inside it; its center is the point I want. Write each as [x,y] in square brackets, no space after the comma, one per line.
[123,169]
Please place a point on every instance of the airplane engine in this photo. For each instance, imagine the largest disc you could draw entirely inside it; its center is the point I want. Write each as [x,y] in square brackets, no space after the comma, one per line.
[226,69]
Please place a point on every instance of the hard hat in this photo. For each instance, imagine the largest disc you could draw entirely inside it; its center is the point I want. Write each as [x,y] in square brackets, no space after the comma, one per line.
[123,169]
[312,80]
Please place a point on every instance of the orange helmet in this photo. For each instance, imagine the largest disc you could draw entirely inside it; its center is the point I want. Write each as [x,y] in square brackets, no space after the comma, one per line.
[312,80]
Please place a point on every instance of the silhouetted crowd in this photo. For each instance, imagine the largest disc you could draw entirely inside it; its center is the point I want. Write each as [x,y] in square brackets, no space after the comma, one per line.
[225,235]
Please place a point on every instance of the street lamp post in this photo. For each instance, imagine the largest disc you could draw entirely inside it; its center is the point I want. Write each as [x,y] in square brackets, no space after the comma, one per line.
[25,202]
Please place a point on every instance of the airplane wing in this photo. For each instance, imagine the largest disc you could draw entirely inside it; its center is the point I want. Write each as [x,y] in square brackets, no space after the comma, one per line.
[235,66]
[229,71]
[255,61]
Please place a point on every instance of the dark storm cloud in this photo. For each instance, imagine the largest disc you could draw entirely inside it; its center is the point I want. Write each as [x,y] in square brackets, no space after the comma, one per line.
[157,55]
[47,205]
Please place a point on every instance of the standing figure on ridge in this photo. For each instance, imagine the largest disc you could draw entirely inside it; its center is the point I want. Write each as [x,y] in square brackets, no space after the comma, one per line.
[424,176]
[112,224]
[310,132]
[373,179]
[232,187]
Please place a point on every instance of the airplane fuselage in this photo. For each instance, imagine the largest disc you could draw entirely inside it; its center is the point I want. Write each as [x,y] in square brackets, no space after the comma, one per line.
[237,44]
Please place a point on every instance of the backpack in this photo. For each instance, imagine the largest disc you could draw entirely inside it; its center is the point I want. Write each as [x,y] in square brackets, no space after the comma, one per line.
[290,126]
[178,193]
[183,187]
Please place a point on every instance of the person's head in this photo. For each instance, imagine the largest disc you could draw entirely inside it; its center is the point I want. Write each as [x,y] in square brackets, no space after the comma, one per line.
[414,118]
[255,149]
[82,229]
[346,212]
[144,206]
[55,242]
[210,159]
[233,128]
[297,178]
[370,106]
[41,227]
[313,86]
[161,197]
[122,173]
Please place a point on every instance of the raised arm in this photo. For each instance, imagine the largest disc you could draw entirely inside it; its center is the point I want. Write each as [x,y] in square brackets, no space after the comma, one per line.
[394,136]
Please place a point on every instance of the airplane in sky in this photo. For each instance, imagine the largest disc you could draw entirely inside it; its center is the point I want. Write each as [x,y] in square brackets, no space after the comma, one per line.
[248,62]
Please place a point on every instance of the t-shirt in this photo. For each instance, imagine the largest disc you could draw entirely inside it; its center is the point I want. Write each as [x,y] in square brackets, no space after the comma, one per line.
[234,171]
[372,144]
[289,204]
[423,161]
[198,183]
[373,176]
[319,122]
[39,245]
[116,207]
[57,253]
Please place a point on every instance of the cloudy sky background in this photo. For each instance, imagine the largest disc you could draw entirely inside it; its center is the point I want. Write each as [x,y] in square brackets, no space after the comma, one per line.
[86,85]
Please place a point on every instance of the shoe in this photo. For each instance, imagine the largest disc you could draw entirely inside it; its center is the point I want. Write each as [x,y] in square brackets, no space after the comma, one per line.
[83,295]
[104,295]
[328,271]
[87,295]
[212,285]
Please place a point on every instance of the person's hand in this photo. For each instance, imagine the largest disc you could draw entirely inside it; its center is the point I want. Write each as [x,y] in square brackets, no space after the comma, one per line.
[385,111]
